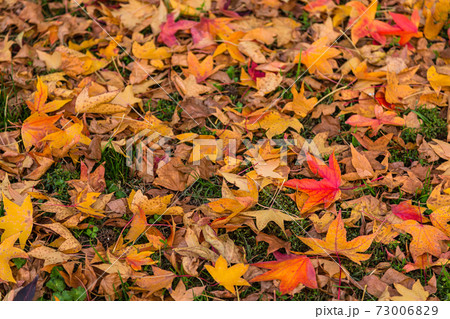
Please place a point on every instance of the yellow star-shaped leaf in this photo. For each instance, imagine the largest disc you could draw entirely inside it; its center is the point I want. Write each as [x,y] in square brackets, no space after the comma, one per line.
[301,106]
[8,252]
[417,293]
[228,277]
[18,220]
[230,44]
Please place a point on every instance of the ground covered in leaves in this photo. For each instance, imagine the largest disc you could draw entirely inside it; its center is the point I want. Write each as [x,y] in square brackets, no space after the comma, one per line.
[224,150]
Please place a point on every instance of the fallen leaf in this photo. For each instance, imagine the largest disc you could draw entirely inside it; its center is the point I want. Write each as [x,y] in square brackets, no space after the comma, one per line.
[325,191]
[263,217]
[426,238]
[8,252]
[336,243]
[417,293]
[228,277]
[291,270]
[17,220]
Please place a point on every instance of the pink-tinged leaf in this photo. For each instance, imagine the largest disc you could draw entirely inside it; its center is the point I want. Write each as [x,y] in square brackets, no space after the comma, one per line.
[381,118]
[317,6]
[170,28]
[359,120]
[403,22]
[254,74]
[405,210]
[205,31]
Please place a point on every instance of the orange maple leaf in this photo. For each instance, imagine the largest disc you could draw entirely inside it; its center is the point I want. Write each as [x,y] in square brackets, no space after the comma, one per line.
[362,20]
[426,238]
[291,270]
[336,243]
[381,118]
[325,191]
[300,105]
[36,127]
[138,259]
[317,55]
[63,141]
[40,97]
[201,70]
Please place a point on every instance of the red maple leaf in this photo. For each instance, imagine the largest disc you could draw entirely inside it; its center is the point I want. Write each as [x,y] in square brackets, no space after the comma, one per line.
[325,191]
[170,27]
[405,28]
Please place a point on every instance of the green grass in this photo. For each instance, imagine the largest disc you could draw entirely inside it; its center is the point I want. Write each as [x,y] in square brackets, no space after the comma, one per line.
[254,252]
[443,285]
[164,109]
[56,287]
[116,169]
[55,181]
[433,126]
[203,189]
[12,109]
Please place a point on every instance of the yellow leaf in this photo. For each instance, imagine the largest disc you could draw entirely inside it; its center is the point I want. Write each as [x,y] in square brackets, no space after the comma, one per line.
[149,51]
[184,9]
[84,200]
[301,106]
[8,252]
[228,277]
[274,122]
[84,45]
[437,81]
[141,206]
[98,104]
[18,219]
[417,293]
[436,20]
